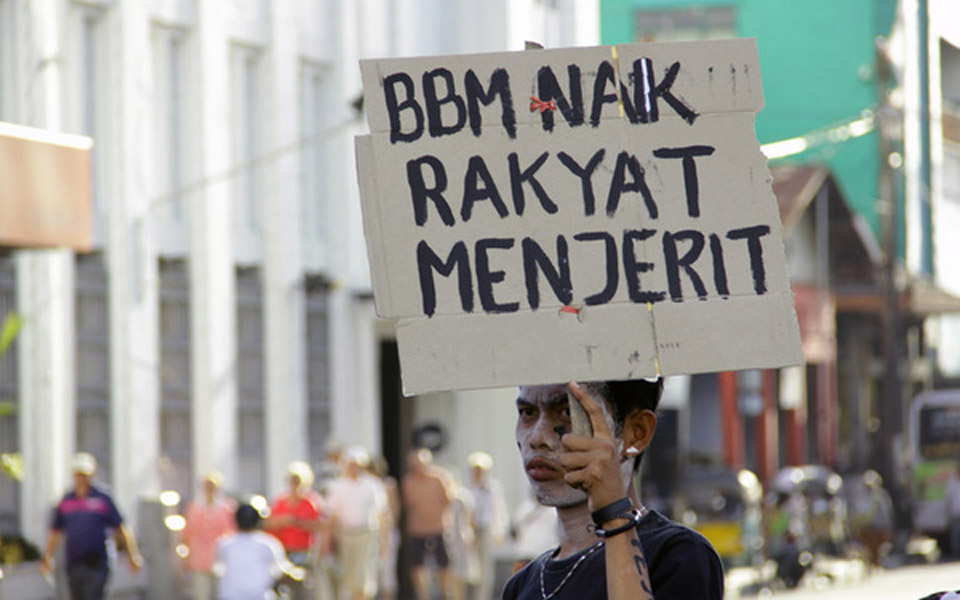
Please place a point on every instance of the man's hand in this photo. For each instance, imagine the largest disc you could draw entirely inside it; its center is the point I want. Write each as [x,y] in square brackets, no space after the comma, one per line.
[136,562]
[46,565]
[593,463]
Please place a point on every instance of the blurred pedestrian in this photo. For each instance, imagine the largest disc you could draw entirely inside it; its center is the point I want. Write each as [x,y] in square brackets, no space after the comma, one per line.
[208,518]
[459,540]
[250,562]
[391,523]
[873,517]
[297,520]
[490,519]
[83,517]
[426,495]
[952,493]
[534,527]
[329,468]
[356,502]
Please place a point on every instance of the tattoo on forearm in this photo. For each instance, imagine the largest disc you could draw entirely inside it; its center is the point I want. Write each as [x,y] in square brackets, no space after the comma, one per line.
[641,562]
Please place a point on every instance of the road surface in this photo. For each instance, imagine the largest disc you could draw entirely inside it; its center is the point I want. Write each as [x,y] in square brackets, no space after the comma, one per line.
[850,581]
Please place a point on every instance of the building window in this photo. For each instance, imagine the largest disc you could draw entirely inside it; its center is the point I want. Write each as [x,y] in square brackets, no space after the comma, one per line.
[170,99]
[314,106]
[318,364]
[91,94]
[250,380]
[951,173]
[9,403]
[92,314]
[247,140]
[8,77]
[176,443]
[697,23]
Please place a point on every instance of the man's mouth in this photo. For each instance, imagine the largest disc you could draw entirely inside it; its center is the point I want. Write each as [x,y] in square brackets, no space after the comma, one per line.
[541,469]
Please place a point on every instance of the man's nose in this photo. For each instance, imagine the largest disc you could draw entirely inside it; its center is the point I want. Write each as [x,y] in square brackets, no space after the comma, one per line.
[546,433]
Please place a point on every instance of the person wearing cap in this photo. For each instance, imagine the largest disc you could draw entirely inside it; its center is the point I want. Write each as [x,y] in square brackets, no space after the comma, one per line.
[208,518]
[490,519]
[358,505]
[82,518]
[611,546]
[297,519]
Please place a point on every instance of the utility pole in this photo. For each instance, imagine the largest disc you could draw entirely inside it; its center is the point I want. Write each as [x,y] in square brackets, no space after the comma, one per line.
[891,397]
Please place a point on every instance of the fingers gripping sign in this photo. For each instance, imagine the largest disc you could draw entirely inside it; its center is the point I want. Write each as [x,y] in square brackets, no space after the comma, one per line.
[591,457]
[594,464]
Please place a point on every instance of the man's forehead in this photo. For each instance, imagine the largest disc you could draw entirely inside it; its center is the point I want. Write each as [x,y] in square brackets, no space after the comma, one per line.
[549,394]
[543,393]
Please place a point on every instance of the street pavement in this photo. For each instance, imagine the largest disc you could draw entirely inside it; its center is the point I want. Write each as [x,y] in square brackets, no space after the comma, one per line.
[848,580]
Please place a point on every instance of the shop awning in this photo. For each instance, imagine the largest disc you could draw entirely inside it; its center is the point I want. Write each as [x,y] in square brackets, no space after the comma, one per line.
[46,189]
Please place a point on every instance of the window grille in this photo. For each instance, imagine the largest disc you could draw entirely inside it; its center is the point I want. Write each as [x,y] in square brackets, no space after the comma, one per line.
[318,364]
[92,356]
[176,444]
[9,403]
[250,385]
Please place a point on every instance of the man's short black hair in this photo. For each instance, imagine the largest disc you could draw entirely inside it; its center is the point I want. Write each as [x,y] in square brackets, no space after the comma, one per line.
[628,396]
[247,517]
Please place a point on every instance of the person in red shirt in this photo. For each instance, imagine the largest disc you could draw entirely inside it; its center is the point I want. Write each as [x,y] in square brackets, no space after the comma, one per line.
[208,519]
[297,520]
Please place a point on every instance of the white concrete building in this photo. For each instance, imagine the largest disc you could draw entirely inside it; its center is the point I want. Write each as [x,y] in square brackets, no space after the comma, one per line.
[225,320]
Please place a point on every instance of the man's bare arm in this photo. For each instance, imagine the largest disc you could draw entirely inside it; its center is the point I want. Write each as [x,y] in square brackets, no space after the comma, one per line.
[53,540]
[128,541]
[593,464]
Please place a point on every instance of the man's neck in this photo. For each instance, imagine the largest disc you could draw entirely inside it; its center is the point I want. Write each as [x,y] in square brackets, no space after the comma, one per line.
[576,527]
[575,535]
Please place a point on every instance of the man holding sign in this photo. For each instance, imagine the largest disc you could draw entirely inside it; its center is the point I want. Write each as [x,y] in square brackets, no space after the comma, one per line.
[611,546]
[598,214]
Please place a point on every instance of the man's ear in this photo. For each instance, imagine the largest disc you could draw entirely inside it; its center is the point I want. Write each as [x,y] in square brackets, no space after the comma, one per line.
[638,429]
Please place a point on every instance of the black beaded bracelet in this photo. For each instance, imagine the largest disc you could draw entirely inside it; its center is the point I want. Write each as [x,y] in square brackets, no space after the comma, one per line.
[611,511]
[635,516]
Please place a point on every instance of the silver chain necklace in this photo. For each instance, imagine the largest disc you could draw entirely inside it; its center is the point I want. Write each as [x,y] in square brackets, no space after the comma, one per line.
[543,566]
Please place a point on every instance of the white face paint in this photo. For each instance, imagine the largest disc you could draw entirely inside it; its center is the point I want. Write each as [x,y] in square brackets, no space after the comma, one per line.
[542,413]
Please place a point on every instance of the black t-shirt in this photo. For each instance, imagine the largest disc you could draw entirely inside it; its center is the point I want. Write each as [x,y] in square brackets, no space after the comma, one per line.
[682,565]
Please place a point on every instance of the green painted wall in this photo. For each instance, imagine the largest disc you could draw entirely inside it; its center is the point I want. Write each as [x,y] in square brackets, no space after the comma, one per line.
[817,58]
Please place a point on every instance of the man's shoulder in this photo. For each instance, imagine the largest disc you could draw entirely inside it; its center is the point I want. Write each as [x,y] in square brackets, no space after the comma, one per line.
[427,477]
[668,542]
[524,579]
[68,495]
[658,528]
[280,502]
[262,538]
[682,562]
[101,491]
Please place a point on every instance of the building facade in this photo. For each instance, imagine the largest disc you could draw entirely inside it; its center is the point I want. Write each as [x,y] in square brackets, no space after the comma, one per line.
[224,320]
[860,129]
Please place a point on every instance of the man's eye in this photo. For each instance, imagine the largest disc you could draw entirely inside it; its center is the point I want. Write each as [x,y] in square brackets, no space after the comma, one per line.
[526,411]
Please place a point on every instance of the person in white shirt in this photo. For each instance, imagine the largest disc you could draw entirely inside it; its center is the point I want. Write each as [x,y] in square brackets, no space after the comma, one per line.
[251,562]
[357,502]
[490,520]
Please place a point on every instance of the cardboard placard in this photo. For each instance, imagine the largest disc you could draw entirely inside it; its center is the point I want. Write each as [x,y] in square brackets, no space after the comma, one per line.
[589,213]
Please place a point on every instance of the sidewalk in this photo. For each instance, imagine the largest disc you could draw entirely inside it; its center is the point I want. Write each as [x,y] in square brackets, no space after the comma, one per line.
[833,578]
[826,571]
